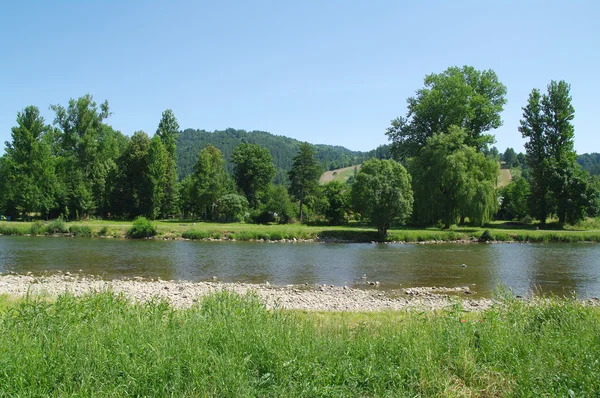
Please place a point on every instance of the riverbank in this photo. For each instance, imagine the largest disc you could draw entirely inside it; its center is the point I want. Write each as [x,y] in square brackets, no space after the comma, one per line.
[174,230]
[295,297]
[292,297]
[232,345]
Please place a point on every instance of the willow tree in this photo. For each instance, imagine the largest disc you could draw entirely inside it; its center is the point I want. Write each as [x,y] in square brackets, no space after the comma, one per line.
[453,181]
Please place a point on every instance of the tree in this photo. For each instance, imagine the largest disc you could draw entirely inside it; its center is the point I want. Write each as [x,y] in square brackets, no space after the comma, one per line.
[305,173]
[453,181]
[30,181]
[133,192]
[253,171]
[157,167]
[278,206]
[556,182]
[515,195]
[337,196]
[382,193]
[168,129]
[231,207]
[464,97]
[510,158]
[211,180]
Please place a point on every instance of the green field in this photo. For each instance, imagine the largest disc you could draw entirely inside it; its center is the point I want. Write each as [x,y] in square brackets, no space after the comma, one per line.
[588,231]
[232,346]
[341,175]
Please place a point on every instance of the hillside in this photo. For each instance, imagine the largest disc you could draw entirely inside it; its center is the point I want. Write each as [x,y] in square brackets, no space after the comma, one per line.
[282,149]
[341,174]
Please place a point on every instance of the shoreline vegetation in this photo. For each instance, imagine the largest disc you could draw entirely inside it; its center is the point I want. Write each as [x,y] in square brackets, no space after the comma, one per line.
[206,231]
[233,344]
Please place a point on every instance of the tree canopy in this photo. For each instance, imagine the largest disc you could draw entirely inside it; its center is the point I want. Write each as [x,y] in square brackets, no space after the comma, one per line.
[253,171]
[305,173]
[382,193]
[463,97]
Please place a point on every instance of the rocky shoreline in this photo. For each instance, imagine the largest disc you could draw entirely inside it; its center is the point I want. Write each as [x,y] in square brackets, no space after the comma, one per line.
[298,297]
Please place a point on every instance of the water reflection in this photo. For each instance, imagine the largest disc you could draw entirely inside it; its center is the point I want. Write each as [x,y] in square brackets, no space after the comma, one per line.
[555,268]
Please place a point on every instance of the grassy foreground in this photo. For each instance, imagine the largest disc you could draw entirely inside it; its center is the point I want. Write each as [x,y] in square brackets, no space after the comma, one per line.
[497,231]
[230,345]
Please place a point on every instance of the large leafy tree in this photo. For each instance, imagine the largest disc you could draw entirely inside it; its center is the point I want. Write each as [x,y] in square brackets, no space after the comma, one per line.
[253,171]
[133,191]
[514,199]
[157,167]
[557,184]
[305,173]
[29,179]
[168,129]
[464,97]
[337,195]
[453,181]
[210,180]
[87,149]
[382,193]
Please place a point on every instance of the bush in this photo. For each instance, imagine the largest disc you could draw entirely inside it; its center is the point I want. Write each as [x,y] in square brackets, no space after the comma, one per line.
[142,228]
[232,207]
[38,228]
[81,230]
[486,236]
[57,227]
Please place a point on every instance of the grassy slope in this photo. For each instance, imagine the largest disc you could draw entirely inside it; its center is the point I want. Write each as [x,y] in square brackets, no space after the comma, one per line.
[504,178]
[589,231]
[232,346]
[340,174]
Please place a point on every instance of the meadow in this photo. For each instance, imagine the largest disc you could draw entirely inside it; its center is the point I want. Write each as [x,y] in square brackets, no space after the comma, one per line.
[231,345]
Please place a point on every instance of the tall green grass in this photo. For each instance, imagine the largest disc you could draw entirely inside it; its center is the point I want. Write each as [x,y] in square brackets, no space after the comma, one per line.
[229,345]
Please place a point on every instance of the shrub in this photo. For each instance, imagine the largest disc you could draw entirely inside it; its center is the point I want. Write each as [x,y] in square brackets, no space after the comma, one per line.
[486,236]
[81,230]
[57,227]
[38,228]
[195,235]
[141,228]
[103,231]
[232,207]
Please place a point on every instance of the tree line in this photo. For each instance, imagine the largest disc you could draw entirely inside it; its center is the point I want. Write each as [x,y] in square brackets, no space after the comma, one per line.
[443,172]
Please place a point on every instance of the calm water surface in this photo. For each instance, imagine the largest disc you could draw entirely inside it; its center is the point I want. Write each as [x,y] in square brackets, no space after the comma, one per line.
[556,268]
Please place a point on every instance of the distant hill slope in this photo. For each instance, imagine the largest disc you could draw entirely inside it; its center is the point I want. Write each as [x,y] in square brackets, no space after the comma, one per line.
[339,174]
[505,178]
[282,149]
[590,162]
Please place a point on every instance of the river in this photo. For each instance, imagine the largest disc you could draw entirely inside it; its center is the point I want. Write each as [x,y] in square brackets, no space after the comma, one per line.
[550,268]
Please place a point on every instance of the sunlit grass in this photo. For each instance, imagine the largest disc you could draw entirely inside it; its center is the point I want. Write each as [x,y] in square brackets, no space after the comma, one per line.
[229,345]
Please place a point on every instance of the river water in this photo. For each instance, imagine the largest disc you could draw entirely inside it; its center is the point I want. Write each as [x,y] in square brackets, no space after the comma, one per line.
[550,268]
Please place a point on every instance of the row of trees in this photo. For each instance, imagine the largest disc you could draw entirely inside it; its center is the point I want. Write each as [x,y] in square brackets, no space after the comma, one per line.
[79,166]
[443,140]
[444,171]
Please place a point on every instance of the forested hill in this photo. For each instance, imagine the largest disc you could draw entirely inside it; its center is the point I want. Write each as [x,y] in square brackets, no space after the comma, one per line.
[283,149]
[590,162]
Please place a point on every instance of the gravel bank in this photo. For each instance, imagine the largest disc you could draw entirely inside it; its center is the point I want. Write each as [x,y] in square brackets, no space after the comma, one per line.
[303,297]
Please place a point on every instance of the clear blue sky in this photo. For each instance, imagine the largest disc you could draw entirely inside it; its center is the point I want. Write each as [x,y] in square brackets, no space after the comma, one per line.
[331,72]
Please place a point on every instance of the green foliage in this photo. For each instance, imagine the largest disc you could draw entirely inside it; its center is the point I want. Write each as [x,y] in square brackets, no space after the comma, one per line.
[81,230]
[515,198]
[141,228]
[157,175]
[558,185]
[57,227]
[279,204]
[382,193]
[282,150]
[338,198]
[253,171]
[231,345]
[304,174]
[38,228]
[463,97]
[231,208]
[453,181]
[168,130]
[210,182]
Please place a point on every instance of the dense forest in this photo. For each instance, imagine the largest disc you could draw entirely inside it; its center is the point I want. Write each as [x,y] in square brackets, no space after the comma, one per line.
[282,149]
[440,167]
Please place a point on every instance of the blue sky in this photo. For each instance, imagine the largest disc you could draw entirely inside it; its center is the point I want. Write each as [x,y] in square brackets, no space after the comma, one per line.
[331,72]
